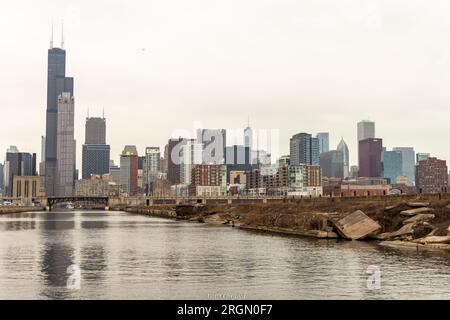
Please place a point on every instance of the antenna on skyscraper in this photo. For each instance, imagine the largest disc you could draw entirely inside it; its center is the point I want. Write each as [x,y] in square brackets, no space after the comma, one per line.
[88,112]
[51,38]
[103,113]
[62,35]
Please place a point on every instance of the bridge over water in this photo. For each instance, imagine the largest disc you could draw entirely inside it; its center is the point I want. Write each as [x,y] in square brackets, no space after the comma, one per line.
[51,201]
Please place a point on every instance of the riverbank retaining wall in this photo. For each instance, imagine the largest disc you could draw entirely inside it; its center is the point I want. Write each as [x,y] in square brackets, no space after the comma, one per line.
[15,209]
[148,201]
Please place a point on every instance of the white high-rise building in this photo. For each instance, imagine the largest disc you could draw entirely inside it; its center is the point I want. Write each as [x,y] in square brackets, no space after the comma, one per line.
[191,154]
[65,146]
[248,137]
[152,166]
[366,129]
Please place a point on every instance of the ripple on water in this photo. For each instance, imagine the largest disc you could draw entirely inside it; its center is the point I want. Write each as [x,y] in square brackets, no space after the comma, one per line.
[139,257]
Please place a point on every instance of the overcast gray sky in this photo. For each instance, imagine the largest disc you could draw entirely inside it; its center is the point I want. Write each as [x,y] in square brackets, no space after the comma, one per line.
[292,65]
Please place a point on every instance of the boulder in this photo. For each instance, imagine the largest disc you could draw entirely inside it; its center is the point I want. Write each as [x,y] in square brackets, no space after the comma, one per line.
[418,204]
[388,208]
[356,226]
[406,230]
[413,212]
[434,239]
[420,217]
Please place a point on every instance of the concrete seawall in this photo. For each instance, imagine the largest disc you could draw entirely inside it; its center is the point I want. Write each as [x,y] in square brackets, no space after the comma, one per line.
[244,200]
[15,209]
[166,212]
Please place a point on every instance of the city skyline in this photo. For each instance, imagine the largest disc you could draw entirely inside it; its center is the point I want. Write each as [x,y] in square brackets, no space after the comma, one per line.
[220,154]
[227,105]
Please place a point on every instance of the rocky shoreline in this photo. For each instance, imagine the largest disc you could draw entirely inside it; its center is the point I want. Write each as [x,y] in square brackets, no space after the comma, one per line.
[417,224]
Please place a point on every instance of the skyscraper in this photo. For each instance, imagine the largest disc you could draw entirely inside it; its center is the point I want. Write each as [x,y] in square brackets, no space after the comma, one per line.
[370,150]
[42,161]
[408,163]
[366,129]
[129,170]
[248,137]
[64,177]
[152,167]
[95,130]
[42,149]
[1,179]
[17,164]
[174,159]
[165,160]
[392,165]
[342,147]
[332,164]
[57,83]
[324,142]
[304,149]
[96,153]
[191,155]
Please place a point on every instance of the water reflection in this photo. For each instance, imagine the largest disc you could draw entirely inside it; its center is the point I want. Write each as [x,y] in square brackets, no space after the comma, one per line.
[59,221]
[56,258]
[138,257]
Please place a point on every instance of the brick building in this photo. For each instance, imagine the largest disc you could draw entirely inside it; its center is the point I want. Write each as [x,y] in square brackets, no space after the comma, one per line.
[431,176]
[208,180]
[355,187]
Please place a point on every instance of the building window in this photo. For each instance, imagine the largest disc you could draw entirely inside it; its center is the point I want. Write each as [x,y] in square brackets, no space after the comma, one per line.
[26,188]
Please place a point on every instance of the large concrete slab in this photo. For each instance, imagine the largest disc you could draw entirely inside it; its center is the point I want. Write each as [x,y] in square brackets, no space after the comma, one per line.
[356,225]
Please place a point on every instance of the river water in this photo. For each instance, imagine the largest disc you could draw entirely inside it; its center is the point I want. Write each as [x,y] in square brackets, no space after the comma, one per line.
[124,256]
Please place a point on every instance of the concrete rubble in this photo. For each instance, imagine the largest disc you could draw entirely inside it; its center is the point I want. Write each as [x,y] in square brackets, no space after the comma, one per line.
[418,204]
[413,212]
[419,217]
[356,226]
[407,229]
[433,239]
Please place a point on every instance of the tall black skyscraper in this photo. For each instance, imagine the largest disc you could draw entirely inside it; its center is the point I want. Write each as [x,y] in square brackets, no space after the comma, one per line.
[57,83]
[96,152]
